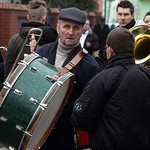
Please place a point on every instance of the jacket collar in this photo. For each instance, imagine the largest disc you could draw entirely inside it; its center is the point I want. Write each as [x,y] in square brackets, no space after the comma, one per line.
[118,60]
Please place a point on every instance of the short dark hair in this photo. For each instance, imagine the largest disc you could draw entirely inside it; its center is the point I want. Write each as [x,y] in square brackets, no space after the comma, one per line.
[147,14]
[121,40]
[126,4]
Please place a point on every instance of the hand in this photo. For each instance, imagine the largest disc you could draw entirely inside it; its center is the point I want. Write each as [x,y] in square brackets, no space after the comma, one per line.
[88,44]
[33,43]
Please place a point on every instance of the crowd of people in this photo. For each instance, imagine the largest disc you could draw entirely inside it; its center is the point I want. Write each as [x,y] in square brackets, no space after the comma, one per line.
[110,99]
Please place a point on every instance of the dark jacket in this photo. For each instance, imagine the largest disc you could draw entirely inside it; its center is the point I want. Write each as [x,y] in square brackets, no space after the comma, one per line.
[1,71]
[93,39]
[102,33]
[16,43]
[62,138]
[117,119]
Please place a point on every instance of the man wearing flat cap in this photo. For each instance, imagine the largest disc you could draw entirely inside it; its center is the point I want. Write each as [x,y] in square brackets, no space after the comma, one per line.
[59,53]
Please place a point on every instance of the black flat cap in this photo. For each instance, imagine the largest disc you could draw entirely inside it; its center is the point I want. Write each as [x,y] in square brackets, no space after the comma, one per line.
[73,14]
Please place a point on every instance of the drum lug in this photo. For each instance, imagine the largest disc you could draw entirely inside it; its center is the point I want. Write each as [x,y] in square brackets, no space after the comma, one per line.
[20,128]
[33,69]
[34,101]
[16,91]
[50,79]
[2,118]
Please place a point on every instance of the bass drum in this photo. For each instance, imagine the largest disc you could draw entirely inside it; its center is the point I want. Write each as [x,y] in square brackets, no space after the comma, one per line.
[31,102]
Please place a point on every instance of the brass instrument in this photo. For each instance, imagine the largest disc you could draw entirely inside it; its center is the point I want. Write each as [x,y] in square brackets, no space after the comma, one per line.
[3,51]
[37,33]
[33,34]
[3,48]
[142,44]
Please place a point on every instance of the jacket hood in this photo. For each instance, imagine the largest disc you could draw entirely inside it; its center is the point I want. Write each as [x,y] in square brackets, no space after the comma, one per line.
[25,27]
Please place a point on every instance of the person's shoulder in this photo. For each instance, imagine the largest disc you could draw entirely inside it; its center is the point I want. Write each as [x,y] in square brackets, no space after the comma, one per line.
[90,61]
[45,46]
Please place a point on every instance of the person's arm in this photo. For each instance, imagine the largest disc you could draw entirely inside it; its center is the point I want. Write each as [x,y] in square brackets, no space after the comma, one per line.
[88,107]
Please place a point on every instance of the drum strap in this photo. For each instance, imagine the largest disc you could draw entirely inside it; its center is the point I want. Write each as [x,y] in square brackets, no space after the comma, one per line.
[72,63]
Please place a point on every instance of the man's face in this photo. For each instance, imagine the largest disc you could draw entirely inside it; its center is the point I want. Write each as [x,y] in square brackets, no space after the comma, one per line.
[69,32]
[147,20]
[86,25]
[124,16]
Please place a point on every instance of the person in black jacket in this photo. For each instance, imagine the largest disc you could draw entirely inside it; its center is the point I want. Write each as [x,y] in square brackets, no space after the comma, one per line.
[102,30]
[115,105]
[59,53]
[89,39]
[36,16]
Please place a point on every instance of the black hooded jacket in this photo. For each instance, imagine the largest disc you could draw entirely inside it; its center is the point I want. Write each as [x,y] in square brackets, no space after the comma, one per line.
[16,43]
[117,118]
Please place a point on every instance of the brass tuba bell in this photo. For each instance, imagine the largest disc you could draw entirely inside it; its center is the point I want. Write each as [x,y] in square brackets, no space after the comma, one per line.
[142,44]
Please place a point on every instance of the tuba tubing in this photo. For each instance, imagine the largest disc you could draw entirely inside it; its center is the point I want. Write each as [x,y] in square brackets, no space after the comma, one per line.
[142,44]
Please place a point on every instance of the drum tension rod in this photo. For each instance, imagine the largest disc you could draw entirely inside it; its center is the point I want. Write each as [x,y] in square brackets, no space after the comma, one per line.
[50,79]
[33,69]
[20,128]
[54,79]
[34,101]
[8,86]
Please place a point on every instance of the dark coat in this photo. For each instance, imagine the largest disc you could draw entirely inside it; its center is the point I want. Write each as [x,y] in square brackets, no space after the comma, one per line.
[1,71]
[62,137]
[93,39]
[16,43]
[117,119]
[101,33]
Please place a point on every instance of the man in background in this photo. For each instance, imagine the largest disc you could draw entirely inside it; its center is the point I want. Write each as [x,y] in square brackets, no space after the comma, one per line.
[89,39]
[37,18]
[125,14]
[102,30]
[146,18]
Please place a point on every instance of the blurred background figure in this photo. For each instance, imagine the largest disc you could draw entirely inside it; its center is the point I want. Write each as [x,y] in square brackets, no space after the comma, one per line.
[102,30]
[146,18]
[37,14]
[89,39]
[1,69]
[112,27]
[125,14]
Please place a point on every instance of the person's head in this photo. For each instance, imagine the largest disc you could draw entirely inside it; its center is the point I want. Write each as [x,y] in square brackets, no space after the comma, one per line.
[146,18]
[118,41]
[86,25]
[70,25]
[125,12]
[102,20]
[37,11]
